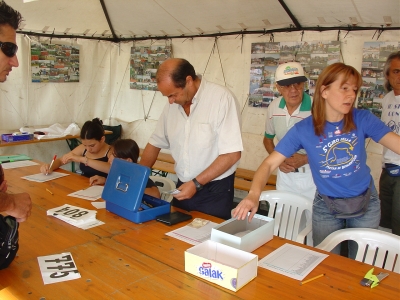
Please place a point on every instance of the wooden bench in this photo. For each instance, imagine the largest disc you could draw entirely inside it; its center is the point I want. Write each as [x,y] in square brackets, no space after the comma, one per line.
[249,175]
[162,168]
[244,185]
[162,157]
[243,177]
[240,184]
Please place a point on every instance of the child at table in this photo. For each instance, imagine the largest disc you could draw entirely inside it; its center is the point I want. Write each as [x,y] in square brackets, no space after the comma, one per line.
[128,150]
[92,155]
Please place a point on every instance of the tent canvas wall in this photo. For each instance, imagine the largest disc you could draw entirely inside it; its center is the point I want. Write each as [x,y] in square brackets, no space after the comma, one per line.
[103,90]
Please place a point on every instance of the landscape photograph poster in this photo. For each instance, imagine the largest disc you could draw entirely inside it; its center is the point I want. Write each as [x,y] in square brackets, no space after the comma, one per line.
[54,62]
[265,58]
[372,90]
[144,62]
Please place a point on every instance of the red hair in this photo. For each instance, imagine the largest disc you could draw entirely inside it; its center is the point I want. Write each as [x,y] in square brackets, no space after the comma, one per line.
[329,75]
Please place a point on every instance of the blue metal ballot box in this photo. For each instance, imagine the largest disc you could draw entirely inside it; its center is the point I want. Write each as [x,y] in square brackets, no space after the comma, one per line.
[124,193]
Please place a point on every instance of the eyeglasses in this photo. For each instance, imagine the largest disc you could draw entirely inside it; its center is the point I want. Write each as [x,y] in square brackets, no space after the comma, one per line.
[8,48]
[297,86]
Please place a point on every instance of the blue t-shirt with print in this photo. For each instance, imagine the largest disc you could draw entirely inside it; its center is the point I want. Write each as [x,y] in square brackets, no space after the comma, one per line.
[337,160]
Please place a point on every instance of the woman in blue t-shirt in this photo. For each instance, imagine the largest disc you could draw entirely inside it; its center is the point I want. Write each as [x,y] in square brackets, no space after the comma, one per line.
[334,139]
[92,155]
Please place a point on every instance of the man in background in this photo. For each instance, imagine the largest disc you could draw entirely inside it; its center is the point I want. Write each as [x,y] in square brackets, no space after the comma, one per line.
[294,174]
[389,182]
[16,205]
[201,127]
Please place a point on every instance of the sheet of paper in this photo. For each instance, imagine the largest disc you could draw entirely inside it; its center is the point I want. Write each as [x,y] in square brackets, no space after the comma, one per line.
[292,261]
[18,164]
[192,235]
[40,177]
[58,268]
[91,193]
[76,216]
[99,204]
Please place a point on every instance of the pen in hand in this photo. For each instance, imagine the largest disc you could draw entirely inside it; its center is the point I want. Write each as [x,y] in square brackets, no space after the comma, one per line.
[54,158]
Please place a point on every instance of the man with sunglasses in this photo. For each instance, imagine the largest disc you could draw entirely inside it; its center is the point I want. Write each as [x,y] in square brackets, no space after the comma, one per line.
[16,205]
[294,174]
[9,22]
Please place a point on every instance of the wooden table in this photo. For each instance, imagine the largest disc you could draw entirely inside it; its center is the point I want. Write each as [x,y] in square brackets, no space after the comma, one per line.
[34,141]
[124,260]
[109,269]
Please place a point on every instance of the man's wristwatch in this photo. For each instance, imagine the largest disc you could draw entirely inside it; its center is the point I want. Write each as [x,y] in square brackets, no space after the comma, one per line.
[198,185]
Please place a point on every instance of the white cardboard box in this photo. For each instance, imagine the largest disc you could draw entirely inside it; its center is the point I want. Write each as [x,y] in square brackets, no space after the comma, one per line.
[220,264]
[243,235]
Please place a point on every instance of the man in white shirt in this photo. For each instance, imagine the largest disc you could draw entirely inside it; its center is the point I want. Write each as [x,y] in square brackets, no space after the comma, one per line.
[201,127]
[389,182]
[294,175]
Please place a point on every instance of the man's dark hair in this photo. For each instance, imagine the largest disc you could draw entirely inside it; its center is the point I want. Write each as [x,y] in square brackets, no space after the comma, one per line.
[386,69]
[9,16]
[182,70]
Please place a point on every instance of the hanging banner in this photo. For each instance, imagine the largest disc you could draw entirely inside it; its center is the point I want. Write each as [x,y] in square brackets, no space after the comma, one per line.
[144,64]
[372,91]
[54,63]
[265,58]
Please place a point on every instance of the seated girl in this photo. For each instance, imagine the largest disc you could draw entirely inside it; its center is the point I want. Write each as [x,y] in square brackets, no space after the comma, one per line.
[128,150]
[92,155]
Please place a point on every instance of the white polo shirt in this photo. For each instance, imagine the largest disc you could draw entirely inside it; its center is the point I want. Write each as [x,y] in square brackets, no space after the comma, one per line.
[211,129]
[391,117]
[279,121]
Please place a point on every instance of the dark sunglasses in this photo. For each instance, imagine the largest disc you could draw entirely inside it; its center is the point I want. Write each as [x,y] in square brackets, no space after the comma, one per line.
[8,48]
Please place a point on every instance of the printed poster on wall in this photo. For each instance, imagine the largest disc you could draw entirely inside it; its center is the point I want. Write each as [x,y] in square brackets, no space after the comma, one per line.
[144,62]
[265,58]
[54,63]
[372,90]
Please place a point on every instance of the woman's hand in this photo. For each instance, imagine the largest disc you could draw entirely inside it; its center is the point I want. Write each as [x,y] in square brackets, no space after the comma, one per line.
[97,180]
[45,169]
[248,204]
[69,157]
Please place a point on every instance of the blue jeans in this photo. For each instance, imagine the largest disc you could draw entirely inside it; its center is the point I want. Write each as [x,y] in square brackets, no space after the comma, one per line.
[324,223]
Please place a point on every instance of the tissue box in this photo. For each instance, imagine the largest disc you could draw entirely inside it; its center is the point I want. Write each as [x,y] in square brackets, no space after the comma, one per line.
[243,235]
[9,137]
[124,193]
[220,264]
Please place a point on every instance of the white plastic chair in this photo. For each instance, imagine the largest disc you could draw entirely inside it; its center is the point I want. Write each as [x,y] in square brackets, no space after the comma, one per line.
[287,209]
[164,185]
[375,247]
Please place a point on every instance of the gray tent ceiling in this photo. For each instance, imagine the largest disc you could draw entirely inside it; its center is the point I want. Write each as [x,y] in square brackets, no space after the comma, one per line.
[119,20]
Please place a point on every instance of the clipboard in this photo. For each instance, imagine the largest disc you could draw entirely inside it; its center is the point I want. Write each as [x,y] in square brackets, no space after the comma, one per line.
[10,158]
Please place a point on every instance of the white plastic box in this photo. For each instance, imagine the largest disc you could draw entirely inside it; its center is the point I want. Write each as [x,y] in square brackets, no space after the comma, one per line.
[220,264]
[243,235]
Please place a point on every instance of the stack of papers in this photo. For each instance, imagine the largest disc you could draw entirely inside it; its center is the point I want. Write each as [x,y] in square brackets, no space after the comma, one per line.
[292,261]
[92,193]
[193,235]
[43,177]
[76,216]
[18,164]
